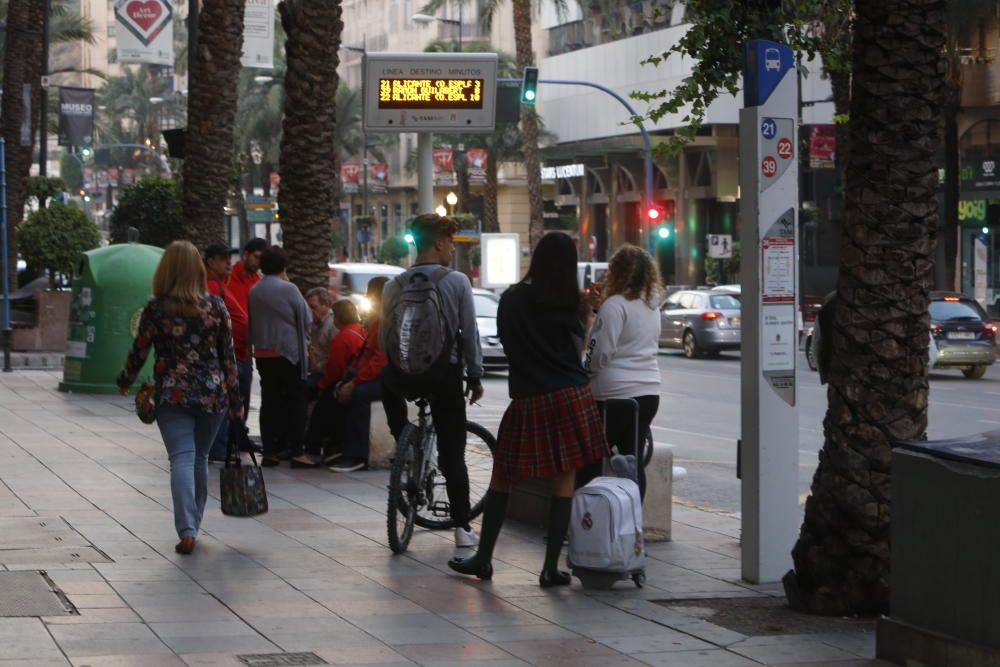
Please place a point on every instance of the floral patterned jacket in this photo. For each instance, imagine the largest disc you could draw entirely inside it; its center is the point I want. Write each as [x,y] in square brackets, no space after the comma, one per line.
[195,363]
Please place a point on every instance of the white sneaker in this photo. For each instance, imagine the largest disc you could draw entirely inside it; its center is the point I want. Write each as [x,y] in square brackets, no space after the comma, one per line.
[466,538]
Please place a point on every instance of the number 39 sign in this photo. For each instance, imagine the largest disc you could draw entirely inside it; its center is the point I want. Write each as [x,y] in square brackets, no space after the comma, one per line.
[769,166]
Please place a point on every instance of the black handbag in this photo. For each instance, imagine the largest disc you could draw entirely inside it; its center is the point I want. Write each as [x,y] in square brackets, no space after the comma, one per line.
[241,486]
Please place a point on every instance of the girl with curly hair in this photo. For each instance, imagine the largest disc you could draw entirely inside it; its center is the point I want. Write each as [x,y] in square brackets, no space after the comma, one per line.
[622,350]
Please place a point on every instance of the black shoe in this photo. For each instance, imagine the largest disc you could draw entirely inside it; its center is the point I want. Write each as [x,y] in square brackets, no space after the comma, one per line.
[286,454]
[348,464]
[331,457]
[471,566]
[557,578]
[270,461]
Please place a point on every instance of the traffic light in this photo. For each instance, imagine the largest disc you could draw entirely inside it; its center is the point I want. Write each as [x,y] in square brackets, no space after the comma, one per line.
[529,85]
[86,152]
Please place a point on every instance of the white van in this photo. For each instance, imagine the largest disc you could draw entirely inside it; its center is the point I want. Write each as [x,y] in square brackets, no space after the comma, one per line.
[588,273]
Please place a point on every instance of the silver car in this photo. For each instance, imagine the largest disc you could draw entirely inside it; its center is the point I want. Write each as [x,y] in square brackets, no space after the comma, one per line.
[486,303]
[700,322]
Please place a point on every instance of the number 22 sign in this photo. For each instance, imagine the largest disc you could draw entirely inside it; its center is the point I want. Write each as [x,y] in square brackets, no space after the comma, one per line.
[784,148]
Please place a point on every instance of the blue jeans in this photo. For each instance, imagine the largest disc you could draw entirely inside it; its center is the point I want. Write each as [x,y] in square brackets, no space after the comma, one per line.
[244,371]
[188,435]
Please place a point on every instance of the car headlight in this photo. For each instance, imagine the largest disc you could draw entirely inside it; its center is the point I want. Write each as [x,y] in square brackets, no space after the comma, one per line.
[366,304]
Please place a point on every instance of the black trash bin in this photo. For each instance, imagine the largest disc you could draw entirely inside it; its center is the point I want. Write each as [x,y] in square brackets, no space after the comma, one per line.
[945,580]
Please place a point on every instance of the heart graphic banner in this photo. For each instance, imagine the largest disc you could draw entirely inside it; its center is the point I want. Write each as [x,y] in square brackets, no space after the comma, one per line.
[145,31]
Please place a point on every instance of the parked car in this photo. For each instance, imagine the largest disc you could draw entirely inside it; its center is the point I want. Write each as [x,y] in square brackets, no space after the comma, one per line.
[700,322]
[350,281]
[486,303]
[963,334]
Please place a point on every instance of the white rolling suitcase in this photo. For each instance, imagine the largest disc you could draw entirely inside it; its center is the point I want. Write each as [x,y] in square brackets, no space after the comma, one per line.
[605,531]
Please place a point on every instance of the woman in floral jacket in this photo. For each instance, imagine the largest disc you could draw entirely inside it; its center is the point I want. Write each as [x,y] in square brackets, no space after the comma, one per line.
[195,374]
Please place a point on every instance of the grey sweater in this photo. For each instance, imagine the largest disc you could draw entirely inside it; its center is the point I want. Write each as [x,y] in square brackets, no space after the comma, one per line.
[459,311]
[279,320]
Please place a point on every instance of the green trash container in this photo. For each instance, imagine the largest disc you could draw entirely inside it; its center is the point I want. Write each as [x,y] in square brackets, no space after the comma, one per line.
[110,288]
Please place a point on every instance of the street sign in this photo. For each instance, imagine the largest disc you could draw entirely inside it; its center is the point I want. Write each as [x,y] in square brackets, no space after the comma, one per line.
[430,92]
[720,246]
[769,449]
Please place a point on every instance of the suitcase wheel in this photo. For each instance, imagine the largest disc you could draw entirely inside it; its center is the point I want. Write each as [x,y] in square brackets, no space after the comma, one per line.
[639,578]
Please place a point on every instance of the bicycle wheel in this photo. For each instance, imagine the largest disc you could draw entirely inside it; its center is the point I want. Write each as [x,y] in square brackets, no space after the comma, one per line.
[404,490]
[479,446]
[647,448]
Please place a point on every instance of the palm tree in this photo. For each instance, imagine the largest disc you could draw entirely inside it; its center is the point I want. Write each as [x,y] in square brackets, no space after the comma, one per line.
[211,111]
[20,40]
[308,158]
[878,376]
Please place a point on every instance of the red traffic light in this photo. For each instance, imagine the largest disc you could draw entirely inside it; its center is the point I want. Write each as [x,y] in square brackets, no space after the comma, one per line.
[654,213]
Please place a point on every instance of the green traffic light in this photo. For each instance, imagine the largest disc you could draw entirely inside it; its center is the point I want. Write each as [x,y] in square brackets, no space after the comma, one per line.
[529,85]
[663,232]
[408,238]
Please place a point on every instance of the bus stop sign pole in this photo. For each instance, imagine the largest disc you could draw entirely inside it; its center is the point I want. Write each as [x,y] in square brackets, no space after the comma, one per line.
[769,177]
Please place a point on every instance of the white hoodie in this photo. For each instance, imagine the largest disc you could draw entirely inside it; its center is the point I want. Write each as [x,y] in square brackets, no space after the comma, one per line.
[622,350]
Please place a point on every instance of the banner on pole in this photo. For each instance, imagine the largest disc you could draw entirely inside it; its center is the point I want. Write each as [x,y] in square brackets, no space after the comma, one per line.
[258,34]
[350,177]
[444,166]
[145,31]
[822,146]
[378,179]
[26,134]
[476,159]
[76,116]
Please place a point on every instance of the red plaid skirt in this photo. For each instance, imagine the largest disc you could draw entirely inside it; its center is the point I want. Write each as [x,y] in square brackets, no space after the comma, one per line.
[545,435]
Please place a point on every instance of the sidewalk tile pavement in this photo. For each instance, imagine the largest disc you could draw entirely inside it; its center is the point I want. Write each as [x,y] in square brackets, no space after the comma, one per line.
[85,496]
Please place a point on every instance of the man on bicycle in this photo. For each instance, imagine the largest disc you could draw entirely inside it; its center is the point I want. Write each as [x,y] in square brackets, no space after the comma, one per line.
[428,329]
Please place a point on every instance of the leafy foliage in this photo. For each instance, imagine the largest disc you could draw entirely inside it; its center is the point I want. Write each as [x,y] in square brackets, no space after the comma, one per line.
[153,207]
[42,187]
[394,250]
[719,28]
[71,171]
[54,237]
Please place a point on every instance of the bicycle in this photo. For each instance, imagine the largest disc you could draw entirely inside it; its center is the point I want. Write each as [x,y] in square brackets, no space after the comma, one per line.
[416,487]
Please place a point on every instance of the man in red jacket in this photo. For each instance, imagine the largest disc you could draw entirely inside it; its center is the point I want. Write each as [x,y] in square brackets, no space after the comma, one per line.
[218,257]
[246,273]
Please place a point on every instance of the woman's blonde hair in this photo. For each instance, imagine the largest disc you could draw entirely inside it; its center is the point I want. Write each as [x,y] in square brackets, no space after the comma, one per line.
[633,274]
[180,278]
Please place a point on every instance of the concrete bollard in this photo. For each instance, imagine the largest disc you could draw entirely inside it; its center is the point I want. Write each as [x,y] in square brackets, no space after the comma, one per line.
[380,442]
[657,506]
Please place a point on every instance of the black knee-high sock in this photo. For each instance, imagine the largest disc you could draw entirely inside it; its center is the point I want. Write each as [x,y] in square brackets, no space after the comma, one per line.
[559,513]
[494,513]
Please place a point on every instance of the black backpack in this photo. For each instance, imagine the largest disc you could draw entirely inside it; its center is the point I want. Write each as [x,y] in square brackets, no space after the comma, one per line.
[420,341]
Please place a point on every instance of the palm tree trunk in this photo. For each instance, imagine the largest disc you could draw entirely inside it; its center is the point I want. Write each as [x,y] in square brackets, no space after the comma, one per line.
[878,376]
[529,122]
[211,111]
[22,38]
[491,215]
[309,171]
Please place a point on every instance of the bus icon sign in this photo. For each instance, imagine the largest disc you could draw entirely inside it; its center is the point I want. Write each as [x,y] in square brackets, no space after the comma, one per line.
[772,60]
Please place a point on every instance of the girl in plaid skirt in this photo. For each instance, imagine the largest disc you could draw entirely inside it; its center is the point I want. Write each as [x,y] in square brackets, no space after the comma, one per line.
[552,426]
